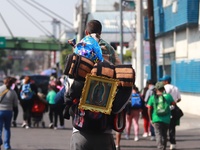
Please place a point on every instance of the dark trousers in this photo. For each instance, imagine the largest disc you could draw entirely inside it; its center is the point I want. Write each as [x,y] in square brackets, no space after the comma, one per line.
[161,129]
[60,114]
[172,131]
[27,107]
[53,114]
[15,113]
[98,141]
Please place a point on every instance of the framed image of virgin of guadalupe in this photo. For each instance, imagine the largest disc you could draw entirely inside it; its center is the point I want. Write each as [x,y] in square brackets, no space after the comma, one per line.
[98,94]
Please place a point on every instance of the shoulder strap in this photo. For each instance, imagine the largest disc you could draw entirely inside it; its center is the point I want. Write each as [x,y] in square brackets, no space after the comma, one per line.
[3,94]
[164,97]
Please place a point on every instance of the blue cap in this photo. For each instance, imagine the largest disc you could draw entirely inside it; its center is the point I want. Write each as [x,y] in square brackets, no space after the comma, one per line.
[166,78]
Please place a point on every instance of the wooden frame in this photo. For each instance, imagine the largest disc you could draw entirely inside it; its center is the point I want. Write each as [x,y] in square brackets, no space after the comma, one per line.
[98,94]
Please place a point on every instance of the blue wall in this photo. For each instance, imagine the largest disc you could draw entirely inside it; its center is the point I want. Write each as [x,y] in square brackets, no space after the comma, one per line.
[165,20]
[186,75]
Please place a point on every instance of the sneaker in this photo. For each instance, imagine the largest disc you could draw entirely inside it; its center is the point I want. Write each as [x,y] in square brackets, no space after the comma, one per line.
[152,138]
[117,147]
[172,146]
[127,137]
[149,134]
[23,125]
[136,138]
[51,125]
[145,134]
[61,127]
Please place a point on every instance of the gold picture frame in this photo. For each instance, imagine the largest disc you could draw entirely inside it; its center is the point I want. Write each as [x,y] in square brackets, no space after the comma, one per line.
[98,94]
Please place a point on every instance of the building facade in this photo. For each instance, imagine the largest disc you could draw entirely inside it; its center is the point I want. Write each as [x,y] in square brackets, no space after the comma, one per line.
[178,38]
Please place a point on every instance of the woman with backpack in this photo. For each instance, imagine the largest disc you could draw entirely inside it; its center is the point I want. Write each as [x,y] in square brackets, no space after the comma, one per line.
[134,109]
[28,90]
[159,113]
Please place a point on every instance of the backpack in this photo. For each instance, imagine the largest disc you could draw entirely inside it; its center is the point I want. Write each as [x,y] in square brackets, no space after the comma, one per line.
[26,92]
[91,121]
[136,100]
[161,106]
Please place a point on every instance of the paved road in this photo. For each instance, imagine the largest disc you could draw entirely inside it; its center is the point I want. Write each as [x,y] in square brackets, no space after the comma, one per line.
[188,137]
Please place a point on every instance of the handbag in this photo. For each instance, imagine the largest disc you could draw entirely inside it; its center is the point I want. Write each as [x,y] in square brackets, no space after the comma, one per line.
[177,113]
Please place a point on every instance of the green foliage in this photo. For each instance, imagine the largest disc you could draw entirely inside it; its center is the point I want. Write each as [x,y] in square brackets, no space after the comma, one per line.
[2,54]
[128,56]
[16,67]
[63,55]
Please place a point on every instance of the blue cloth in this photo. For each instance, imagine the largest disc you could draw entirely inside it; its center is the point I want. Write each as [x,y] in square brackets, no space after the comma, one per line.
[5,121]
[59,99]
[89,48]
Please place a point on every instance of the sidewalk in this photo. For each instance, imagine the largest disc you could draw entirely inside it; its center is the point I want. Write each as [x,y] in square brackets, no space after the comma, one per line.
[189,121]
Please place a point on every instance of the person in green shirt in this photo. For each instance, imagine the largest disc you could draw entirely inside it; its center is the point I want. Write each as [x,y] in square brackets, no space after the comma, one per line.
[159,113]
[53,112]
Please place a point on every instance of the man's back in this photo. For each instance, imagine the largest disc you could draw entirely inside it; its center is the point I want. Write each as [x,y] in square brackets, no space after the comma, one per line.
[109,53]
[173,90]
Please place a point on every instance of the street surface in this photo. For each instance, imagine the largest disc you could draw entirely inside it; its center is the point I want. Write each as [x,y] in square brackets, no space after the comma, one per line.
[188,136]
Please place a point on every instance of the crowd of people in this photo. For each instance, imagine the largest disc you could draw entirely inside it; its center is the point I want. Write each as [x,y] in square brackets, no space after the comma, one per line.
[156,127]
[154,103]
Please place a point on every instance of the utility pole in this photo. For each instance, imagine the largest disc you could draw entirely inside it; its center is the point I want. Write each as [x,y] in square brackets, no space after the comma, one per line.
[140,49]
[56,54]
[80,29]
[121,31]
[153,59]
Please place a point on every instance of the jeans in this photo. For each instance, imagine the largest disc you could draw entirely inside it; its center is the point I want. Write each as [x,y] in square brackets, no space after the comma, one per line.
[5,121]
[161,129]
[152,130]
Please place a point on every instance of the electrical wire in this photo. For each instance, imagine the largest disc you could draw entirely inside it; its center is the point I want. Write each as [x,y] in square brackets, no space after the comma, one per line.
[52,12]
[6,26]
[30,18]
[49,14]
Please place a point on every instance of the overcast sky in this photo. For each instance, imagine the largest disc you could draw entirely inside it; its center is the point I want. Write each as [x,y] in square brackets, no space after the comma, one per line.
[20,26]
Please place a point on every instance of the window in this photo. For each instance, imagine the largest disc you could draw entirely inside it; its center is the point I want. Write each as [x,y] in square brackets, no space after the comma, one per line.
[167,3]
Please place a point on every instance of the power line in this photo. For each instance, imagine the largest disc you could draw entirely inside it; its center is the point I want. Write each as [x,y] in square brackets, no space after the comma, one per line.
[29,17]
[52,12]
[6,25]
[49,14]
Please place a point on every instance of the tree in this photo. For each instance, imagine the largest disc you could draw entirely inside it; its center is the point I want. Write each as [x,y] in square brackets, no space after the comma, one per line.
[2,54]
[64,54]
[128,56]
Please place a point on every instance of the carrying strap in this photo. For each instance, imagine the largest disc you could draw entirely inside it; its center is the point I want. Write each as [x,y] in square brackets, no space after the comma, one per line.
[104,69]
[3,94]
